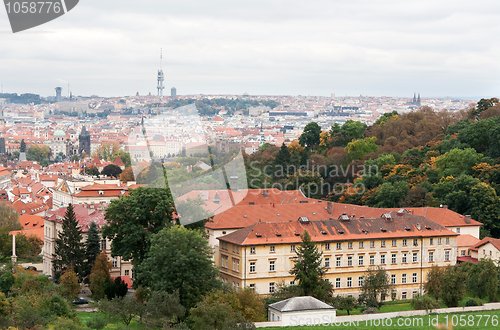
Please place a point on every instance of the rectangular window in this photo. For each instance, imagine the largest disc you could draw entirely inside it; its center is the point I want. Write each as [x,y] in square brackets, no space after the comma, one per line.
[360,245]
[447,240]
[327,262]
[382,243]
[403,278]
[458,230]
[415,242]
[405,242]
[349,245]
[414,278]
[292,248]
[393,258]
[252,251]
[127,272]
[271,249]
[382,259]
[103,244]
[337,282]
[431,256]
[338,262]
[349,282]
[360,281]
[393,279]
[446,255]
[361,260]
[403,295]
[234,264]
[372,244]
[394,243]
[463,253]
[237,265]
[252,267]
[372,260]
[271,266]
[292,282]
[349,261]
[252,287]
[404,258]
[339,246]
[431,241]
[327,246]
[271,287]
[415,257]
[115,262]
[439,240]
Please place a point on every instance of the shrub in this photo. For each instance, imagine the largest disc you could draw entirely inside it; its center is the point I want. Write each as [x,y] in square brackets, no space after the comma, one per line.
[474,302]
[96,323]
[424,302]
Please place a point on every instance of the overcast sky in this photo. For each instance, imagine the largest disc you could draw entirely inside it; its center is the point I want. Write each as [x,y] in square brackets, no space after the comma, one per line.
[315,47]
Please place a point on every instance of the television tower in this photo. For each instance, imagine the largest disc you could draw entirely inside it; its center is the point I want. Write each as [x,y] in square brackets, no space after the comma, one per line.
[160,76]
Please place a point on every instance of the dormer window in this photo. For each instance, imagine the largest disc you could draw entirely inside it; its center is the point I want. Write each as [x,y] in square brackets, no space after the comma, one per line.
[101,192]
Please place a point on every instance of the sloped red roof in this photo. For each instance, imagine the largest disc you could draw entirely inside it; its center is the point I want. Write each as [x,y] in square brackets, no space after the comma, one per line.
[466,240]
[331,230]
[494,241]
[118,162]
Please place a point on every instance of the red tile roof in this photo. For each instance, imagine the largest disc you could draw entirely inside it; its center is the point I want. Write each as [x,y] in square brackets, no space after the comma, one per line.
[82,215]
[494,241]
[467,258]
[467,240]
[406,226]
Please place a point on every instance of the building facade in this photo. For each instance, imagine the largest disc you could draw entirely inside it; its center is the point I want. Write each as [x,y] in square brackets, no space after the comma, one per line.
[406,246]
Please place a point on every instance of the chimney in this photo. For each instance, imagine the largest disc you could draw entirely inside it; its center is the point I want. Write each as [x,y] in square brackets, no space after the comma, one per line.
[329,207]
[445,206]
[266,193]
[467,219]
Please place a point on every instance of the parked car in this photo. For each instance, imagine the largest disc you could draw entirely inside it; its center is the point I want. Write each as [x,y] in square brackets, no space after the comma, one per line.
[80,301]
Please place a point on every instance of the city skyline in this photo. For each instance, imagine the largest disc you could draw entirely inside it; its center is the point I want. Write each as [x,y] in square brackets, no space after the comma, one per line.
[360,48]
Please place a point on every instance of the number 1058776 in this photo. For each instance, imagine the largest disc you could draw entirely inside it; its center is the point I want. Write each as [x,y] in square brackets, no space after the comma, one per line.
[472,320]
[33,7]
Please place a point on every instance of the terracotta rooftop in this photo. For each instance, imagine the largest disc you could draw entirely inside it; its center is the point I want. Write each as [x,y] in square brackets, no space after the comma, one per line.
[466,240]
[404,226]
[494,241]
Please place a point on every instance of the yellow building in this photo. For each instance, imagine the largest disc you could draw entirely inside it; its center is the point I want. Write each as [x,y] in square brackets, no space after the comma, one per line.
[261,256]
[85,215]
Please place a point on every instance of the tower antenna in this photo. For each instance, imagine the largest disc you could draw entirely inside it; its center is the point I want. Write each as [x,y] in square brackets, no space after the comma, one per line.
[161,77]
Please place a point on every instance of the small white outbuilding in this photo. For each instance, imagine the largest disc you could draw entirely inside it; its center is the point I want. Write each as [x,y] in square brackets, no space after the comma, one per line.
[302,311]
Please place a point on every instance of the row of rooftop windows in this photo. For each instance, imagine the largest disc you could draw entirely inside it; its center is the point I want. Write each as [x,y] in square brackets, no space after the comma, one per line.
[339,246]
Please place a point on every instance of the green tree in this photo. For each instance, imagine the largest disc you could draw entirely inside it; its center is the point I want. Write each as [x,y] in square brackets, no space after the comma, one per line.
[457,161]
[91,170]
[69,250]
[99,276]
[209,315]
[310,136]
[344,303]
[69,284]
[134,218]
[92,247]
[163,309]
[115,288]
[75,158]
[357,149]
[111,170]
[283,156]
[453,286]
[22,148]
[177,260]
[376,283]
[488,279]
[309,271]
[433,284]
[123,308]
